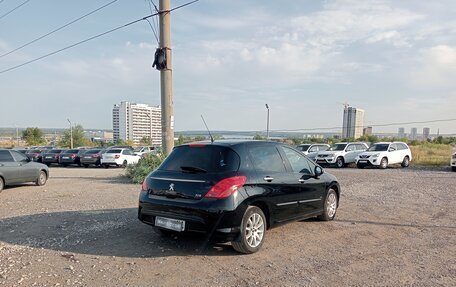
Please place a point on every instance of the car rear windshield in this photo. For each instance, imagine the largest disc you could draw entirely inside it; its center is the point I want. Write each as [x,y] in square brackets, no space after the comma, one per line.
[337,147]
[72,151]
[92,151]
[378,147]
[55,151]
[114,151]
[34,151]
[201,158]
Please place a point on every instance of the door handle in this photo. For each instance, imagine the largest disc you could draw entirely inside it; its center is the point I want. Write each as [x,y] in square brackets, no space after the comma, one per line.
[268,178]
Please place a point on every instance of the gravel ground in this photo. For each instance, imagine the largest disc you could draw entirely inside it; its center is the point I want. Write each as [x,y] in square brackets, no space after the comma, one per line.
[394,227]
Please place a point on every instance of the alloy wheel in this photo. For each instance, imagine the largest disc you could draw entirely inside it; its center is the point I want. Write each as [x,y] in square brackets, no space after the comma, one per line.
[254,230]
[331,205]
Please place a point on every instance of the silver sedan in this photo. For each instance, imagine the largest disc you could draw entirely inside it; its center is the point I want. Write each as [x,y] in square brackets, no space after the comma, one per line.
[16,168]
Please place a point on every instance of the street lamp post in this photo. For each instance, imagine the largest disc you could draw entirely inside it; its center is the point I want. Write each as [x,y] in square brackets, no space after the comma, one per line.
[150,128]
[71,134]
[267,123]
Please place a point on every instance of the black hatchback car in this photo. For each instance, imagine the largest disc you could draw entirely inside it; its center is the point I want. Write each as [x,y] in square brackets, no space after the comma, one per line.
[235,190]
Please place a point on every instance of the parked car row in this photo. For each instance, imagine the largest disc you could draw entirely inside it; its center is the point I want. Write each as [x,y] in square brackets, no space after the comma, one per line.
[113,156]
[341,154]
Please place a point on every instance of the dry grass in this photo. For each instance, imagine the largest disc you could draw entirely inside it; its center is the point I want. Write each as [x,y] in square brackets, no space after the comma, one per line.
[431,154]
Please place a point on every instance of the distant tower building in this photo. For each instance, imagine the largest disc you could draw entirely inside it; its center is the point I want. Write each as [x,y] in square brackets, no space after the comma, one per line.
[401,133]
[413,132]
[367,131]
[134,122]
[426,132]
[353,122]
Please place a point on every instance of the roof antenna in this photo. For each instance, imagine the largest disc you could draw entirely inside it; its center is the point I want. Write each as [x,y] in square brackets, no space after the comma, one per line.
[212,139]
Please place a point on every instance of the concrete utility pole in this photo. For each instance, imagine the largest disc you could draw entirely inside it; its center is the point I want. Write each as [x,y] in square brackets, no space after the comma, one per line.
[166,79]
[71,134]
[267,123]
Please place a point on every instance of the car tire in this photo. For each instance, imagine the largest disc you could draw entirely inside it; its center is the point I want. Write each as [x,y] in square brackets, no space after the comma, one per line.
[64,165]
[383,163]
[340,162]
[253,229]
[106,165]
[124,164]
[405,161]
[2,184]
[86,165]
[453,168]
[42,178]
[330,206]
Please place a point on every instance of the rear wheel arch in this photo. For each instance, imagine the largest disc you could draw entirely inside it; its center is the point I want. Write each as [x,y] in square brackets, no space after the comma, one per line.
[264,207]
[336,189]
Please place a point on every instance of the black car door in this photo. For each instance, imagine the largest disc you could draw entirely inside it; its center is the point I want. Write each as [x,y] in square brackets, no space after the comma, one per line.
[280,190]
[311,190]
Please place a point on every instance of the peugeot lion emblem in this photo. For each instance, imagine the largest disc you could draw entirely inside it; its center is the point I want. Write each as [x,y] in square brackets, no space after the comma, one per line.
[171,187]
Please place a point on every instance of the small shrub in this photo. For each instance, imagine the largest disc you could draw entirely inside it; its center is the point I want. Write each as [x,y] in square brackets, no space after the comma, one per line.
[137,172]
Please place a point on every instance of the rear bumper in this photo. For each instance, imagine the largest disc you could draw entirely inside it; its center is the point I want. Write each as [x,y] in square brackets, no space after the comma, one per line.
[68,161]
[210,217]
[50,160]
[90,160]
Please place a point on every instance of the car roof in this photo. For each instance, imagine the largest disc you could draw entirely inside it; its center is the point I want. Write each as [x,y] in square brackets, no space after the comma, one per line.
[229,142]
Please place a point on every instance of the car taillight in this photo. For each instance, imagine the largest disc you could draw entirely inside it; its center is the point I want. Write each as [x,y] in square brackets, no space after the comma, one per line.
[144,186]
[73,155]
[95,155]
[226,187]
[117,156]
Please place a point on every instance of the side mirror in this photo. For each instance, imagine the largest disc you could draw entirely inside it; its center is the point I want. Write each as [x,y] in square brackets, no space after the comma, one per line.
[306,176]
[318,171]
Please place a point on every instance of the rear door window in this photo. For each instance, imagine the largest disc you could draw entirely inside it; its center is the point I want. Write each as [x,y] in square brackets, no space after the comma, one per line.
[266,159]
[203,158]
[5,156]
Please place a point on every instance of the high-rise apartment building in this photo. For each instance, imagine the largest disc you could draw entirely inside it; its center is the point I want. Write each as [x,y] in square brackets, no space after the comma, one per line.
[353,122]
[401,133]
[413,132]
[134,122]
[426,133]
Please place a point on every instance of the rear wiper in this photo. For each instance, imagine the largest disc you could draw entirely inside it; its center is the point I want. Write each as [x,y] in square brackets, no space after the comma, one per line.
[193,169]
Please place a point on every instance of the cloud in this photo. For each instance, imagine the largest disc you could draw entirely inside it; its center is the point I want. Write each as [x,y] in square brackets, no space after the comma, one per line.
[437,67]
[391,37]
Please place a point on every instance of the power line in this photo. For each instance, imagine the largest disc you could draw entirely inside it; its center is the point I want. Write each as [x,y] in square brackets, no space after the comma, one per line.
[96,36]
[58,29]
[377,125]
[11,11]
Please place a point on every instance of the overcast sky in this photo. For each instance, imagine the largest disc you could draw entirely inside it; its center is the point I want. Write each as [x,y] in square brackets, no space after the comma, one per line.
[394,59]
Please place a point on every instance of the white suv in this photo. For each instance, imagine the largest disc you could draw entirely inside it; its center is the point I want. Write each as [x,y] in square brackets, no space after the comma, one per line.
[384,153]
[311,150]
[119,157]
[340,154]
[453,161]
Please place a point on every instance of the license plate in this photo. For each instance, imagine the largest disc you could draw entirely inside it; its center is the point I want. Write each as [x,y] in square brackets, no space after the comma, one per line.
[87,157]
[65,157]
[362,161]
[169,223]
[49,157]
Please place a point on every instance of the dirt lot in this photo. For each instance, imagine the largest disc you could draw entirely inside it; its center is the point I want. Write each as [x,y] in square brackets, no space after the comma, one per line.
[394,228]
